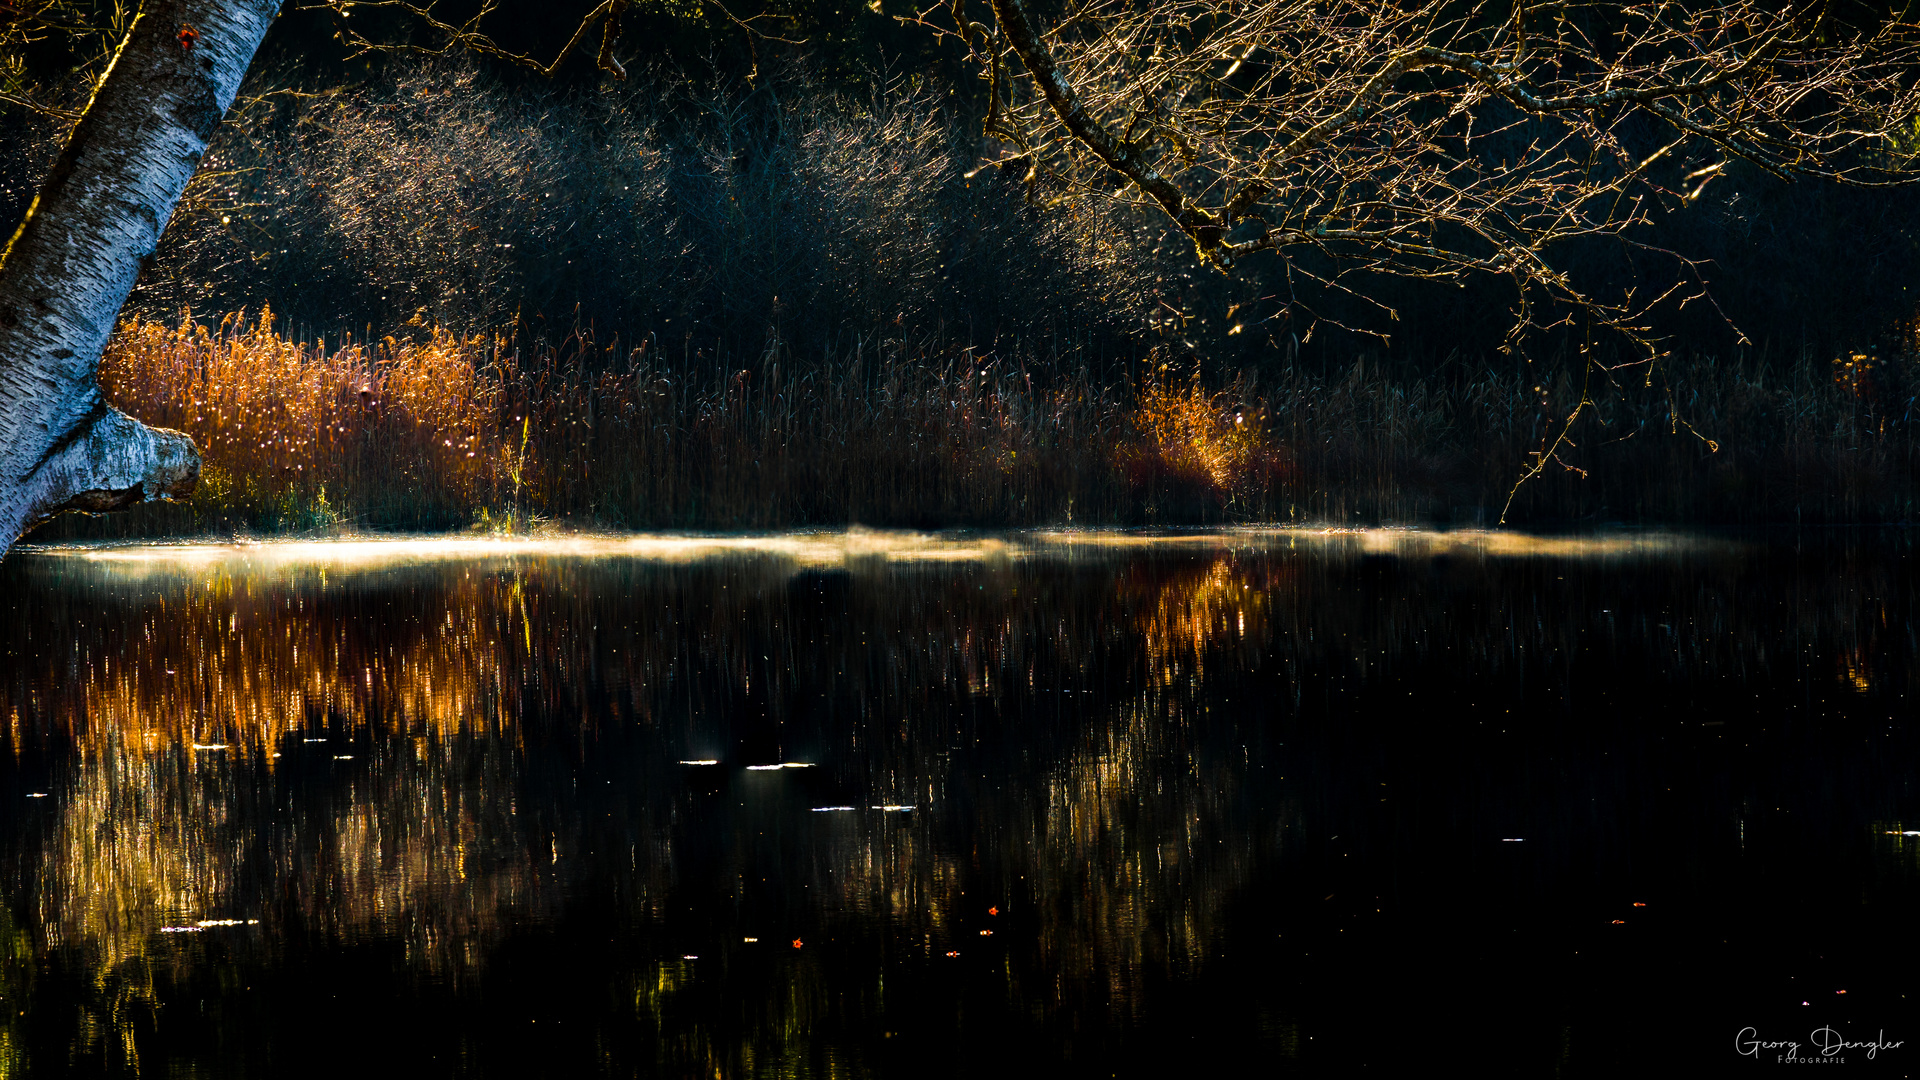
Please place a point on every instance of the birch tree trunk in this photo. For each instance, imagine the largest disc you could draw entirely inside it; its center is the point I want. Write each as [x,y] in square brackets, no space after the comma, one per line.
[70,265]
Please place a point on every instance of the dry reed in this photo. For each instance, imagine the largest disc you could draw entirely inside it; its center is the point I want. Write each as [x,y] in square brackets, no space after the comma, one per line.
[443,431]
[294,434]
[448,431]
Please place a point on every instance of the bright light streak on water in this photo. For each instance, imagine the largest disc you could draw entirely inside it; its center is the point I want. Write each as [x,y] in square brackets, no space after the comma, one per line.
[839,550]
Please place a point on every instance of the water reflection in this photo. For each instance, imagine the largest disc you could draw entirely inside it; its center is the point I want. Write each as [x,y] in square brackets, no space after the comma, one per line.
[1063,787]
[150,841]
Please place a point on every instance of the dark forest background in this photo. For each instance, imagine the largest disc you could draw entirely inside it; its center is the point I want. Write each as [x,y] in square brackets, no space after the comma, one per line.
[818,185]
[812,181]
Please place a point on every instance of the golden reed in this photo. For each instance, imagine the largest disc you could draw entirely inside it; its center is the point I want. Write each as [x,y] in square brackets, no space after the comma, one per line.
[445,430]
[296,432]
[438,430]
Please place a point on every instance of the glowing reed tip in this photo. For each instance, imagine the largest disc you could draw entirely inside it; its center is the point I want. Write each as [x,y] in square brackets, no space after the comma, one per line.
[782,765]
[702,761]
[824,809]
[210,746]
[1513,839]
[749,940]
[892,809]
[343,757]
[36,794]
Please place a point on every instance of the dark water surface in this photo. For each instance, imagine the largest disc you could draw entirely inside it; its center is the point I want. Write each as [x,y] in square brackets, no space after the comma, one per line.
[1269,804]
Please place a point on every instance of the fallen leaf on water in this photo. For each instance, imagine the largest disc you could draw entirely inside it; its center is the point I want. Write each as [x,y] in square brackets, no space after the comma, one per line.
[796,943]
[993,911]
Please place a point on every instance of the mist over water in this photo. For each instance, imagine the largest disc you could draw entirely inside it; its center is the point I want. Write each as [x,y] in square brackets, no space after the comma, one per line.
[1095,803]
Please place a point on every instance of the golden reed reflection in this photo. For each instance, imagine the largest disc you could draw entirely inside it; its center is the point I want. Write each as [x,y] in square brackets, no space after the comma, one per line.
[238,663]
[337,738]
[1117,839]
[1184,619]
[180,702]
[199,704]
[153,844]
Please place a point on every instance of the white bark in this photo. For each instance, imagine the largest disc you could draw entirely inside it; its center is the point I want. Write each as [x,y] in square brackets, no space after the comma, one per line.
[72,262]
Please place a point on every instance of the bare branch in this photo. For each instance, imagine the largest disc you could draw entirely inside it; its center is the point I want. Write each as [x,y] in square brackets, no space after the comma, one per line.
[469,36]
[1421,139]
[1427,139]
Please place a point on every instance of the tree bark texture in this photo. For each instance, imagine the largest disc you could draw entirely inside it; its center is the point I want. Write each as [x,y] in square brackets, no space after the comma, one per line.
[70,265]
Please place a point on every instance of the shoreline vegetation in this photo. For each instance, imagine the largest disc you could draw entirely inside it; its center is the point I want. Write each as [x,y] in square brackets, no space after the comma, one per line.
[839,307]
[433,430]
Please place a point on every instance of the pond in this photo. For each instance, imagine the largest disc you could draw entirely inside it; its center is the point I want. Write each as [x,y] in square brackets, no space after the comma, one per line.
[859,804]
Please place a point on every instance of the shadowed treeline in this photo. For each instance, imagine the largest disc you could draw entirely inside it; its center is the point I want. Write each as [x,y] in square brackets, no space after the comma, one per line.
[815,209]
[715,218]
[800,302]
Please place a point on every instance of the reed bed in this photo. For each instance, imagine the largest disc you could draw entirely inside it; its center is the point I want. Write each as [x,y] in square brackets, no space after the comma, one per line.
[442,430]
[436,430]
[295,435]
